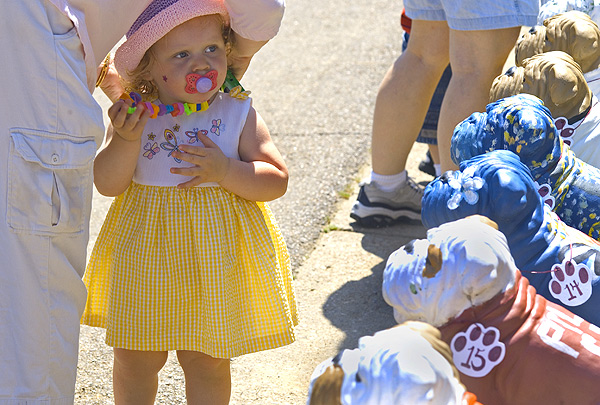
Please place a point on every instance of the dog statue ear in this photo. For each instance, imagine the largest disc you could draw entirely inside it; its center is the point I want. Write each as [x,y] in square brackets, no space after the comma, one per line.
[434,261]
[485,220]
[563,85]
[586,49]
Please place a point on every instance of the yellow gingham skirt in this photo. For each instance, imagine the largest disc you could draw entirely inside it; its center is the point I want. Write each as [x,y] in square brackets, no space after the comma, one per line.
[198,269]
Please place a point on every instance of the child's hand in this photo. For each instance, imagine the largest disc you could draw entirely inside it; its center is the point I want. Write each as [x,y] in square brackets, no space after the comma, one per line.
[127,126]
[210,163]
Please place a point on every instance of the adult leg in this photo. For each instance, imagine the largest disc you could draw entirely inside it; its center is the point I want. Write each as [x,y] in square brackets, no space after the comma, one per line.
[207,379]
[477,58]
[48,125]
[400,109]
[135,375]
[405,93]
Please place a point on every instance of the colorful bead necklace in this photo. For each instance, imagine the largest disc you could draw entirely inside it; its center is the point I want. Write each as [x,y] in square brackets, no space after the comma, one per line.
[231,86]
[162,109]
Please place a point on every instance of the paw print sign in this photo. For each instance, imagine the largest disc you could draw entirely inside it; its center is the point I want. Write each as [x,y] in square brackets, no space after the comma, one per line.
[565,130]
[478,350]
[571,282]
[544,190]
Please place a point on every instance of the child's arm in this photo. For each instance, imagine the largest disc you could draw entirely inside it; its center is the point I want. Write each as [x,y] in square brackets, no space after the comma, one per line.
[261,175]
[115,163]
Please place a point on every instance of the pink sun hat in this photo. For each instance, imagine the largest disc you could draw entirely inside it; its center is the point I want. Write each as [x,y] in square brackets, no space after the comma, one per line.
[160,17]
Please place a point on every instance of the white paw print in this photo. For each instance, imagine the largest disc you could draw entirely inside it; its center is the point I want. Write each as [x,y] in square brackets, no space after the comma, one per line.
[571,283]
[478,350]
[545,191]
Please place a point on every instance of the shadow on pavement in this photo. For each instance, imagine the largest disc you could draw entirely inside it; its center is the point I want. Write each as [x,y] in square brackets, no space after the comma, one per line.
[358,308]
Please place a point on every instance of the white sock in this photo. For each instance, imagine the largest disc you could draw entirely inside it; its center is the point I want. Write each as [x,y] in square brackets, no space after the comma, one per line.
[438,169]
[389,182]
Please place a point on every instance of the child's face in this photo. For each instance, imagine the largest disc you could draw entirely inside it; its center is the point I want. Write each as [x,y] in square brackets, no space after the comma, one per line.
[196,46]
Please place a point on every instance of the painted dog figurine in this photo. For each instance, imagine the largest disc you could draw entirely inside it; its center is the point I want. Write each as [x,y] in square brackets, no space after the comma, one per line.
[557,80]
[510,345]
[573,32]
[406,364]
[498,186]
[523,125]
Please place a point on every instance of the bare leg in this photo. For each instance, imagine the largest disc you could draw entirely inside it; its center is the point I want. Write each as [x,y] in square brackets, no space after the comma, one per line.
[135,376]
[405,93]
[207,379]
[477,58]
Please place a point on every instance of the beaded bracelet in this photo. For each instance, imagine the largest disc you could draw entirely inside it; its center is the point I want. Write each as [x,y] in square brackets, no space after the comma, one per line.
[162,109]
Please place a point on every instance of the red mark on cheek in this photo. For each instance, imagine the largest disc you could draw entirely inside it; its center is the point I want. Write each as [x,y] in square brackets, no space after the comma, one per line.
[165,78]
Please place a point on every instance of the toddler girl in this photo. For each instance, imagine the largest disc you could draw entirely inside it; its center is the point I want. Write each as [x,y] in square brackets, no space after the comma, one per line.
[189,257]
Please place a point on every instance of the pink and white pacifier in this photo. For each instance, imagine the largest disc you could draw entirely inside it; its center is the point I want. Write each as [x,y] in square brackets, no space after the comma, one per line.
[201,83]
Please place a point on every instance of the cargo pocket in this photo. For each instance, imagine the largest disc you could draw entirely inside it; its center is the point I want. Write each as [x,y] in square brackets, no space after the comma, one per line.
[50,182]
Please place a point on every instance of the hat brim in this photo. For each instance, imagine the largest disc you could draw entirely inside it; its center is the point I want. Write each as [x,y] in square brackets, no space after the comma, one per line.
[131,52]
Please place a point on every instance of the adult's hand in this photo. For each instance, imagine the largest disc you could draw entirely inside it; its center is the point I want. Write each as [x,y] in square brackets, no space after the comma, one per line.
[112,85]
[241,54]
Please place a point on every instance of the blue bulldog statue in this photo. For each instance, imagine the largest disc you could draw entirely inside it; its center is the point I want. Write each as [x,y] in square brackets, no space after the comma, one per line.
[562,263]
[523,125]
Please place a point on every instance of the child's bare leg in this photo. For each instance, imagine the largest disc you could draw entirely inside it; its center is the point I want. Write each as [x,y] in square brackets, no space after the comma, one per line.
[135,375]
[207,379]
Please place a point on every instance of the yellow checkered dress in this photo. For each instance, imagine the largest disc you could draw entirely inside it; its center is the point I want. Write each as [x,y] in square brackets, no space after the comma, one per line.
[190,269]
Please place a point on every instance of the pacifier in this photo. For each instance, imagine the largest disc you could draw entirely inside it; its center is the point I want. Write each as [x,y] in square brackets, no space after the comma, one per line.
[201,83]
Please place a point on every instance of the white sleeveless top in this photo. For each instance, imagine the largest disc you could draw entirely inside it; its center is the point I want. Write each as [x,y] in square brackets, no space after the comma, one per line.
[222,123]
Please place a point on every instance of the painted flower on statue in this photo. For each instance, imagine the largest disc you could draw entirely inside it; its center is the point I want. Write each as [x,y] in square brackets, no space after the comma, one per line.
[465,186]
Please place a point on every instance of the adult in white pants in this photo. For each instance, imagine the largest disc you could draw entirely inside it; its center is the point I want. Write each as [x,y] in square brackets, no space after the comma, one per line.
[50,128]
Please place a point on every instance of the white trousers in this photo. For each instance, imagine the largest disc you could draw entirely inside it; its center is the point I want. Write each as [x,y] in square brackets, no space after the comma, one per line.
[50,127]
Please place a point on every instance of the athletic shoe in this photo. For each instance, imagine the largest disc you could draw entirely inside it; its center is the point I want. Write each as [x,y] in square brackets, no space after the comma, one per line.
[375,208]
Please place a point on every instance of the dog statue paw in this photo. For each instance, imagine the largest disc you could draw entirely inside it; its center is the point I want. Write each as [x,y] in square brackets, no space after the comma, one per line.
[509,344]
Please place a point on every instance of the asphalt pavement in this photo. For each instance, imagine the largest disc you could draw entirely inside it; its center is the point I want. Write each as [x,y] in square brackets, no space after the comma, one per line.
[315,86]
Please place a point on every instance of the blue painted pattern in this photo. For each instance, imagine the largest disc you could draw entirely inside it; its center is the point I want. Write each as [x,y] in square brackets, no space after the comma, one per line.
[523,125]
[537,238]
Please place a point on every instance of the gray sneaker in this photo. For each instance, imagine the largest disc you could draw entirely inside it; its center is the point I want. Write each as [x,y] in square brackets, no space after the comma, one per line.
[375,208]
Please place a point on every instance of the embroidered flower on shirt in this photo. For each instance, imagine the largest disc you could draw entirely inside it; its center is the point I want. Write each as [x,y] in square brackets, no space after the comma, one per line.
[465,187]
